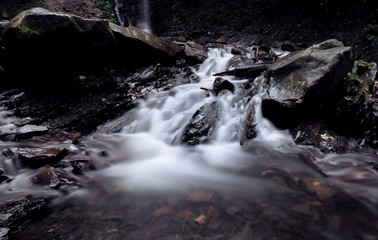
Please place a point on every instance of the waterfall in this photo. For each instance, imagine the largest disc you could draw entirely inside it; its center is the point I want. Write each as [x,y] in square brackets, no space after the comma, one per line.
[150,145]
[145,22]
[116,9]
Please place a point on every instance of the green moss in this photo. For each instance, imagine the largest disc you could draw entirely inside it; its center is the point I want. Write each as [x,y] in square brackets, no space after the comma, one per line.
[29,31]
[106,9]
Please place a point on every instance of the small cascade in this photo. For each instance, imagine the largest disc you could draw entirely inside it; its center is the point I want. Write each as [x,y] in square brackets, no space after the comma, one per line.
[145,22]
[116,9]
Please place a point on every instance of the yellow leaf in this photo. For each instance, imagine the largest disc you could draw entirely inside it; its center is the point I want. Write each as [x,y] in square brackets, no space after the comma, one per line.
[315,183]
[316,203]
[201,219]
[366,89]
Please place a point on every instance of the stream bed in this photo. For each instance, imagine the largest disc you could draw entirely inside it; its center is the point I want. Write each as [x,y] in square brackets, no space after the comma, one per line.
[151,186]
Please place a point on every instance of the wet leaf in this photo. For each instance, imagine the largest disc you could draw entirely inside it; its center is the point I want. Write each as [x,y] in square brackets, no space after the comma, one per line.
[200,219]
[198,196]
[315,183]
[212,212]
[185,214]
[303,208]
[166,210]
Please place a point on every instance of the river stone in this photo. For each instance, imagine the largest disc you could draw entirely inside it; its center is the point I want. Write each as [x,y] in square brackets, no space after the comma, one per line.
[30,130]
[305,79]
[49,178]
[137,47]
[195,52]
[220,84]
[14,213]
[41,45]
[36,157]
[202,124]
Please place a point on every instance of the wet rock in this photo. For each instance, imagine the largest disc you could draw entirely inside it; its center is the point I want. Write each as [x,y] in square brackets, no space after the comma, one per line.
[52,179]
[240,50]
[290,47]
[317,134]
[304,80]
[11,132]
[142,48]
[248,71]
[161,77]
[196,52]
[239,61]
[199,196]
[37,157]
[356,112]
[202,124]
[30,130]
[220,84]
[4,179]
[3,24]
[45,44]
[48,178]
[14,213]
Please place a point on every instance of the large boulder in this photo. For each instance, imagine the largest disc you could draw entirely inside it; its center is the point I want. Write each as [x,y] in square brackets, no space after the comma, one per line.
[302,81]
[136,47]
[42,45]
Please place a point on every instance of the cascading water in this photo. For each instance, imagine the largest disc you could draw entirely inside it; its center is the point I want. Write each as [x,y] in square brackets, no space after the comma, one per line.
[157,188]
[145,22]
[116,9]
[151,139]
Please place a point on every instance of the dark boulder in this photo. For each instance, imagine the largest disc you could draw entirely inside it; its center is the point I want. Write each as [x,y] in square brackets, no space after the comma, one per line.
[37,157]
[305,80]
[15,213]
[46,46]
[136,47]
[356,113]
[195,52]
[202,125]
[220,84]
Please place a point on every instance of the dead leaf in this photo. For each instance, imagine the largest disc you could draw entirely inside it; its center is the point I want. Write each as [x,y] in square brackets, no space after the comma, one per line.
[201,219]
[198,196]
[185,214]
[166,210]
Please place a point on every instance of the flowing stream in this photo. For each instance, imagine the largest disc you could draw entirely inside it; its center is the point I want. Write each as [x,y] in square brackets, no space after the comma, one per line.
[151,186]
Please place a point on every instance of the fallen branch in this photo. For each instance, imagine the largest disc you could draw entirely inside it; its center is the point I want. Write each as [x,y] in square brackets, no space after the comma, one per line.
[247,125]
[248,121]
[206,89]
[257,53]
[249,71]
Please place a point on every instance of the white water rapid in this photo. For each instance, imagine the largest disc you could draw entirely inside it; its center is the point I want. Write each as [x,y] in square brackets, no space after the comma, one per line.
[149,149]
